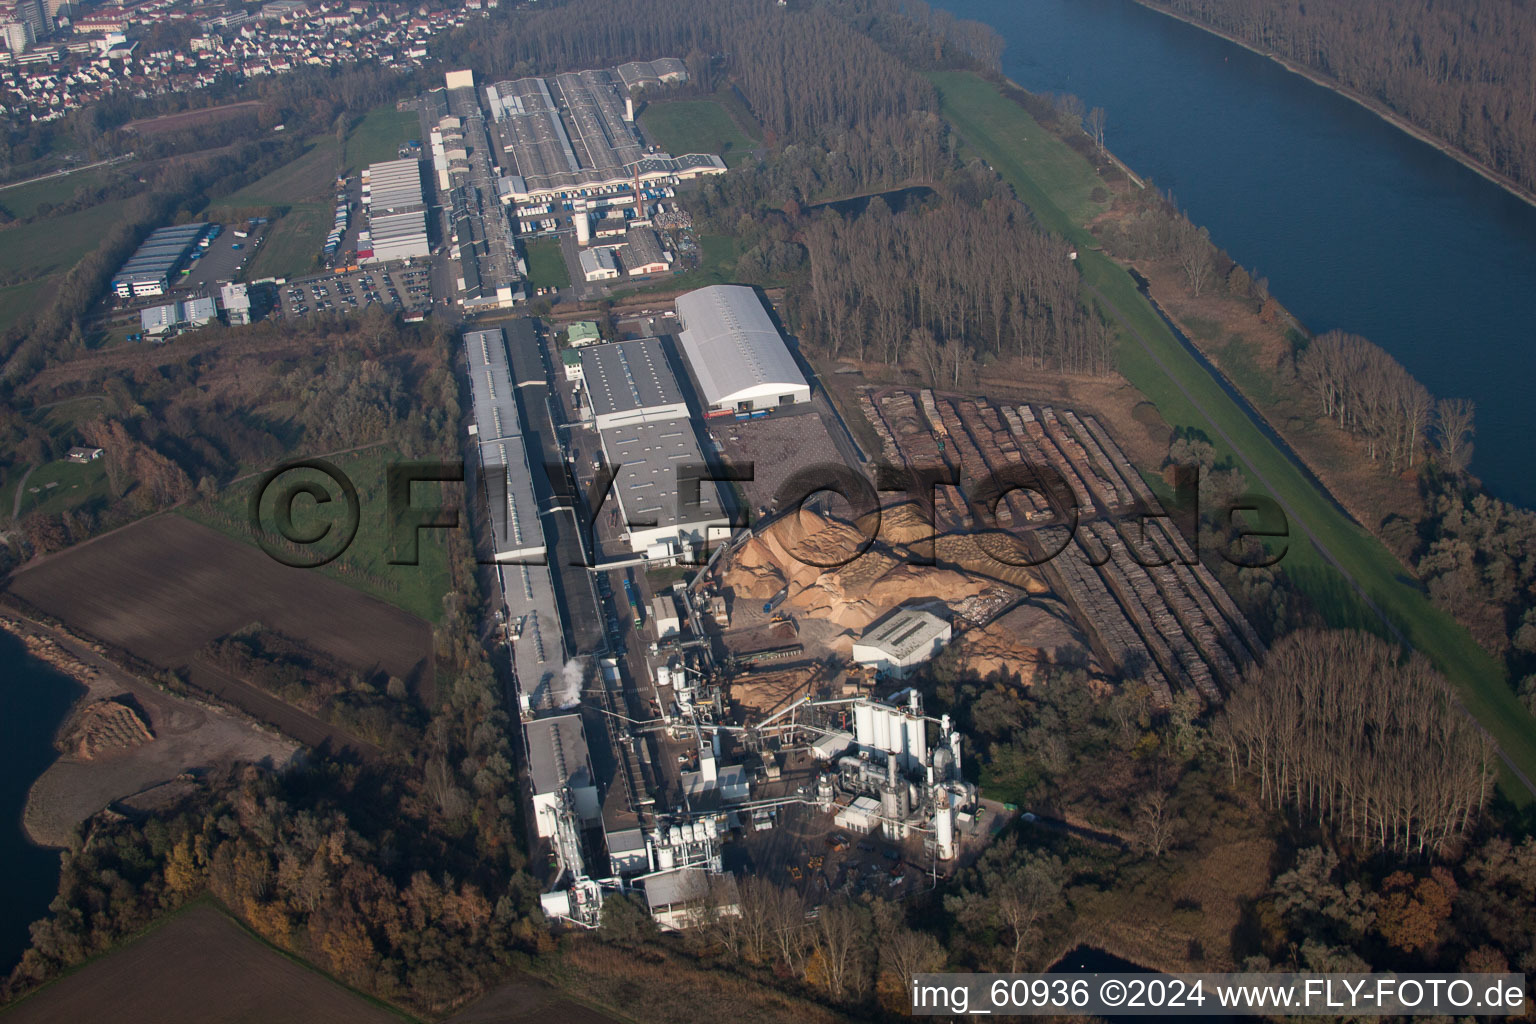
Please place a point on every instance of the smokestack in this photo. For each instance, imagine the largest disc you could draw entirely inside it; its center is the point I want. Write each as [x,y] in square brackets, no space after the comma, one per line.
[629,109]
[639,203]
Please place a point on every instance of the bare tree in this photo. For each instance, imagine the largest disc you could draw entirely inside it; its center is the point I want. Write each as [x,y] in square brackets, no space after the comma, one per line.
[839,939]
[1454,428]
[1155,823]
[1097,120]
[1195,254]
[1070,111]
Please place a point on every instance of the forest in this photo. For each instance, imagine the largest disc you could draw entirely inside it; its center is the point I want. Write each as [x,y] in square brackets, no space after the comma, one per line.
[1463,72]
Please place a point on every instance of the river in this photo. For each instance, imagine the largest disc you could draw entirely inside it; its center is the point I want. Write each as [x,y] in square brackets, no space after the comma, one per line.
[34,698]
[1357,225]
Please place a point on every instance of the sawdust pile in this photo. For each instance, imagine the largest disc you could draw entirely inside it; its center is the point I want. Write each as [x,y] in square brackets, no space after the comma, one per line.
[762,693]
[805,552]
[992,648]
[104,727]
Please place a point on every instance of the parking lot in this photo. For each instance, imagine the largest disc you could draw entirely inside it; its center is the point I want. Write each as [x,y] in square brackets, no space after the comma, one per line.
[407,289]
[224,259]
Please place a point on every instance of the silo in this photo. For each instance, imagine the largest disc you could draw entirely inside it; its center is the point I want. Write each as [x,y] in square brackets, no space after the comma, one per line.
[864,724]
[944,827]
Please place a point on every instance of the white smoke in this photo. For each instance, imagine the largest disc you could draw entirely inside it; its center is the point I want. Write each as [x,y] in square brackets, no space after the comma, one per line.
[568,692]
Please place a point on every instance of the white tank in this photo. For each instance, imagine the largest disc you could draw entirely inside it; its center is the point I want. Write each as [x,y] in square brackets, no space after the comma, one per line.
[664,858]
[882,725]
[917,741]
[864,725]
[944,828]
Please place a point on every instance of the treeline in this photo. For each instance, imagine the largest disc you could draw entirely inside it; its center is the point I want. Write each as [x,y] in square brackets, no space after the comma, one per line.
[943,285]
[1366,392]
[1344,729]
[1464,72]
[377,709]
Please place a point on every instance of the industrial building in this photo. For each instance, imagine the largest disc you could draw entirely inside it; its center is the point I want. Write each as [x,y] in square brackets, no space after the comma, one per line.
[574,135]
[508,480]
[653,463]
[397,218]
[902,640]
[148,271]
[737,356]
[598,265]
[642,253]
[237,303]
[629,382]
[632,397]
[560,771]
[159,320]
[645,74]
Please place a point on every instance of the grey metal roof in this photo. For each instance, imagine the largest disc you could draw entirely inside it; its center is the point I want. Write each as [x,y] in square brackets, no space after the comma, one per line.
[905,631]
[732,345]
[625,376]
[514,512]
[557,754]
[649,459]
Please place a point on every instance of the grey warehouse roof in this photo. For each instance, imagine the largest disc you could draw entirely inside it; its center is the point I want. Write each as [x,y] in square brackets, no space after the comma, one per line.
[557,754]
[907,630]
[648,459]
[732,345]
[627,376]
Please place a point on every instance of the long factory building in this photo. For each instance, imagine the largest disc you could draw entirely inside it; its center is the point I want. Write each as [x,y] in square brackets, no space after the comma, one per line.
[148,271]
[397,217]
[574,134]
[517,536]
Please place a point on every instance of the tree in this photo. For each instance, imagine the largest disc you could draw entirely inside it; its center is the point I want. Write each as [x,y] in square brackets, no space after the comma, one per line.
[1454,428]
[1195,255]
[1097,120]
[1011,892]
[839,939]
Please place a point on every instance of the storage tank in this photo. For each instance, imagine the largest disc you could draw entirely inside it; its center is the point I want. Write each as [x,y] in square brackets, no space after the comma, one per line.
[917,741]
[944,828]
[864,725]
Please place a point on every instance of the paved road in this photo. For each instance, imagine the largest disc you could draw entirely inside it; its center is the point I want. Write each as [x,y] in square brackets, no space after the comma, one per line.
[21,489]
[1279,497]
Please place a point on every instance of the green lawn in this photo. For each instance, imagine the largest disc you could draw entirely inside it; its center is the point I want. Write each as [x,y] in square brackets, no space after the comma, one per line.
[1327,549]
[696,126]
[546,264]
[377,137]
[23,201]
[62,485]
[293,243]
[418,589]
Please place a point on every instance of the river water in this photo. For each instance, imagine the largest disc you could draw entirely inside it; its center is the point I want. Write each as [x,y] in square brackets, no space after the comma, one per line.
[1357,225]
[34,699]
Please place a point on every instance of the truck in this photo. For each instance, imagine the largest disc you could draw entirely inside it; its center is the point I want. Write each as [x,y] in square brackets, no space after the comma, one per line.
[634,601]
[774,601]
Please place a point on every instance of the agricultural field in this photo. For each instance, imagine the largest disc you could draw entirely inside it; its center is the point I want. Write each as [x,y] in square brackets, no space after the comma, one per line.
[164,587]
[696,126]
[198,967]
[188,119]
[378,136]
[546,264]
[417,589]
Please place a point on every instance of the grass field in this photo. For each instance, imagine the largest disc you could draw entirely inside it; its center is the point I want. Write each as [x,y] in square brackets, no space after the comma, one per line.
[18,300]
[199,966]
[1346,572]
[311,176]
[293,243]
[24,200]
[377,137]
[63,485]
[696,126]
[546,264]
[52,246]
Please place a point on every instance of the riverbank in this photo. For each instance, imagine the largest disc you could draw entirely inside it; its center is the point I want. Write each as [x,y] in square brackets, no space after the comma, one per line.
[1376,107]
[1344,571]
[185,738]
